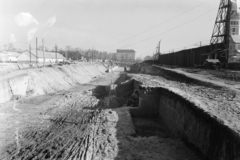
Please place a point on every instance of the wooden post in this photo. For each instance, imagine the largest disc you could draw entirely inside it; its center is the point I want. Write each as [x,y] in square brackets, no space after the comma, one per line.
[30,53]
[56,53]
[36,51]
[43,52]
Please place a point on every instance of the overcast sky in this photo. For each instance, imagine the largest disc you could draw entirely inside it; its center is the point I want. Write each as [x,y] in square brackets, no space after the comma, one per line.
[104,23]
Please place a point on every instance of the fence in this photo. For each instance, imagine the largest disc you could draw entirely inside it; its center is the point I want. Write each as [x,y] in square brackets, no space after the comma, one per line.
[189,57]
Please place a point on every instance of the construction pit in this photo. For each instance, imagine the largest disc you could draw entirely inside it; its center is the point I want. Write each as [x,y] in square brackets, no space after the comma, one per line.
[178,117]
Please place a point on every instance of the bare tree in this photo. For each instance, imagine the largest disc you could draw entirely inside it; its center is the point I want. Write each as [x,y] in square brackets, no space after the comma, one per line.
[9,47]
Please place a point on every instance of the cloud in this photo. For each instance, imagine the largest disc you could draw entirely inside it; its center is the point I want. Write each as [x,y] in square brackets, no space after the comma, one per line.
[31,33]
[50,22]
[13,38]
[24,19]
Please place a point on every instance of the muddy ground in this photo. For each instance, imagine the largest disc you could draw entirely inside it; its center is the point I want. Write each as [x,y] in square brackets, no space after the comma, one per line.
[75,124]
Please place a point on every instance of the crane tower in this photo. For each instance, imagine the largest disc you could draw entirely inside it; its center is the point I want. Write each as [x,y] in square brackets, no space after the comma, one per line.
[221,30]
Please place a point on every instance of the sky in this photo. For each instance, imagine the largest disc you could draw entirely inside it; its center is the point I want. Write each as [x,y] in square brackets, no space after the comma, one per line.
[108,25]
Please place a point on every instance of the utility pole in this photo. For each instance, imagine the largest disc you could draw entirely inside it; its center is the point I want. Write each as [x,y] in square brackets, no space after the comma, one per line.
[66,53]
[200,44]
[56,53]
[158,47]
[43,52]
[36,50]
[30,53]
[92,53]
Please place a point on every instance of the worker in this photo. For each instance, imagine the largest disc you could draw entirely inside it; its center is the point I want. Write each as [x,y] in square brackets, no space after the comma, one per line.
[125,69]
[133,100]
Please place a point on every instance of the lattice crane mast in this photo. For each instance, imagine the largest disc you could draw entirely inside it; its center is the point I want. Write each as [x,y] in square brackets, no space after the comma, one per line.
[221,30]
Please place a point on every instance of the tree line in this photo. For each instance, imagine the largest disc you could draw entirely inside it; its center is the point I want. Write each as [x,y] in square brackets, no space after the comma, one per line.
[69,52]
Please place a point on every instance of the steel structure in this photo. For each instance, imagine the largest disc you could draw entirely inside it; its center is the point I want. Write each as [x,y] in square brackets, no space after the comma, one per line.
[158,47]
[221,29]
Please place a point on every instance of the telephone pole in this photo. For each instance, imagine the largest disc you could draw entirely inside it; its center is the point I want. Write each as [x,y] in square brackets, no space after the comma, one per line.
[30,53]
[92,53]
[56,52]
[43,52]
[36,50]
[158,47]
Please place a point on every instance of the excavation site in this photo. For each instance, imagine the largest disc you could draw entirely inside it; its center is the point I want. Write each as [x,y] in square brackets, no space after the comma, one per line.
[148,112]
[119,80]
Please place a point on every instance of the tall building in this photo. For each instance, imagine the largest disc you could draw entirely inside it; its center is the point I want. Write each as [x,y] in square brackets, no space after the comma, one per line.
[125,55]
[234,19]
[234,42]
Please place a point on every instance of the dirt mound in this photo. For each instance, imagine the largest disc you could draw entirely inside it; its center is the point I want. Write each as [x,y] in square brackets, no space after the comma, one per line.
[39,81]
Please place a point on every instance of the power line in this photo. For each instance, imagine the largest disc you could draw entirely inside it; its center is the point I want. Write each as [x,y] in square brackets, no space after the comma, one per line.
[157,25]
[191,44]
[168,30]
[194,44]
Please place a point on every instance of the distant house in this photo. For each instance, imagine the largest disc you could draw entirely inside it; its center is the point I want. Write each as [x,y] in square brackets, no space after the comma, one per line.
[234,48]
[49,57]
[27,57]
[234,19]
[125,55]
[234,43]
[148,58]
[12,56]
[6,56]
[3,57]
[40,57]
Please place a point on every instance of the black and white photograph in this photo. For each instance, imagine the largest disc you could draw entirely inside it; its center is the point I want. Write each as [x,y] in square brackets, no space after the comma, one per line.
[119,80]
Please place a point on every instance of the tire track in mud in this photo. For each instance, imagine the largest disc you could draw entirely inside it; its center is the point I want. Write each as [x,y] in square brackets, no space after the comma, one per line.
[74,133]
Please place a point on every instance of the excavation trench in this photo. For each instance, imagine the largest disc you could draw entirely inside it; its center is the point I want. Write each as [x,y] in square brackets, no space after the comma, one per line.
[169,116]
[153,137]
[93,122]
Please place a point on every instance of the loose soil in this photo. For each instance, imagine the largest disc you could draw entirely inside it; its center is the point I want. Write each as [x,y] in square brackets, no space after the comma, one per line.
[75,124]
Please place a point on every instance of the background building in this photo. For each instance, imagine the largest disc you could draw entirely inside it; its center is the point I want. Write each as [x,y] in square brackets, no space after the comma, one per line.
[234,43]
[26,57]
[10,57]
[148,58]
[125,55]
[47,57]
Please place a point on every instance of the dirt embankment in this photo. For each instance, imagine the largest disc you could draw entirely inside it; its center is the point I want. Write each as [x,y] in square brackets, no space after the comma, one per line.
[60,125]
[39,81]
[216,119]
[85,122]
